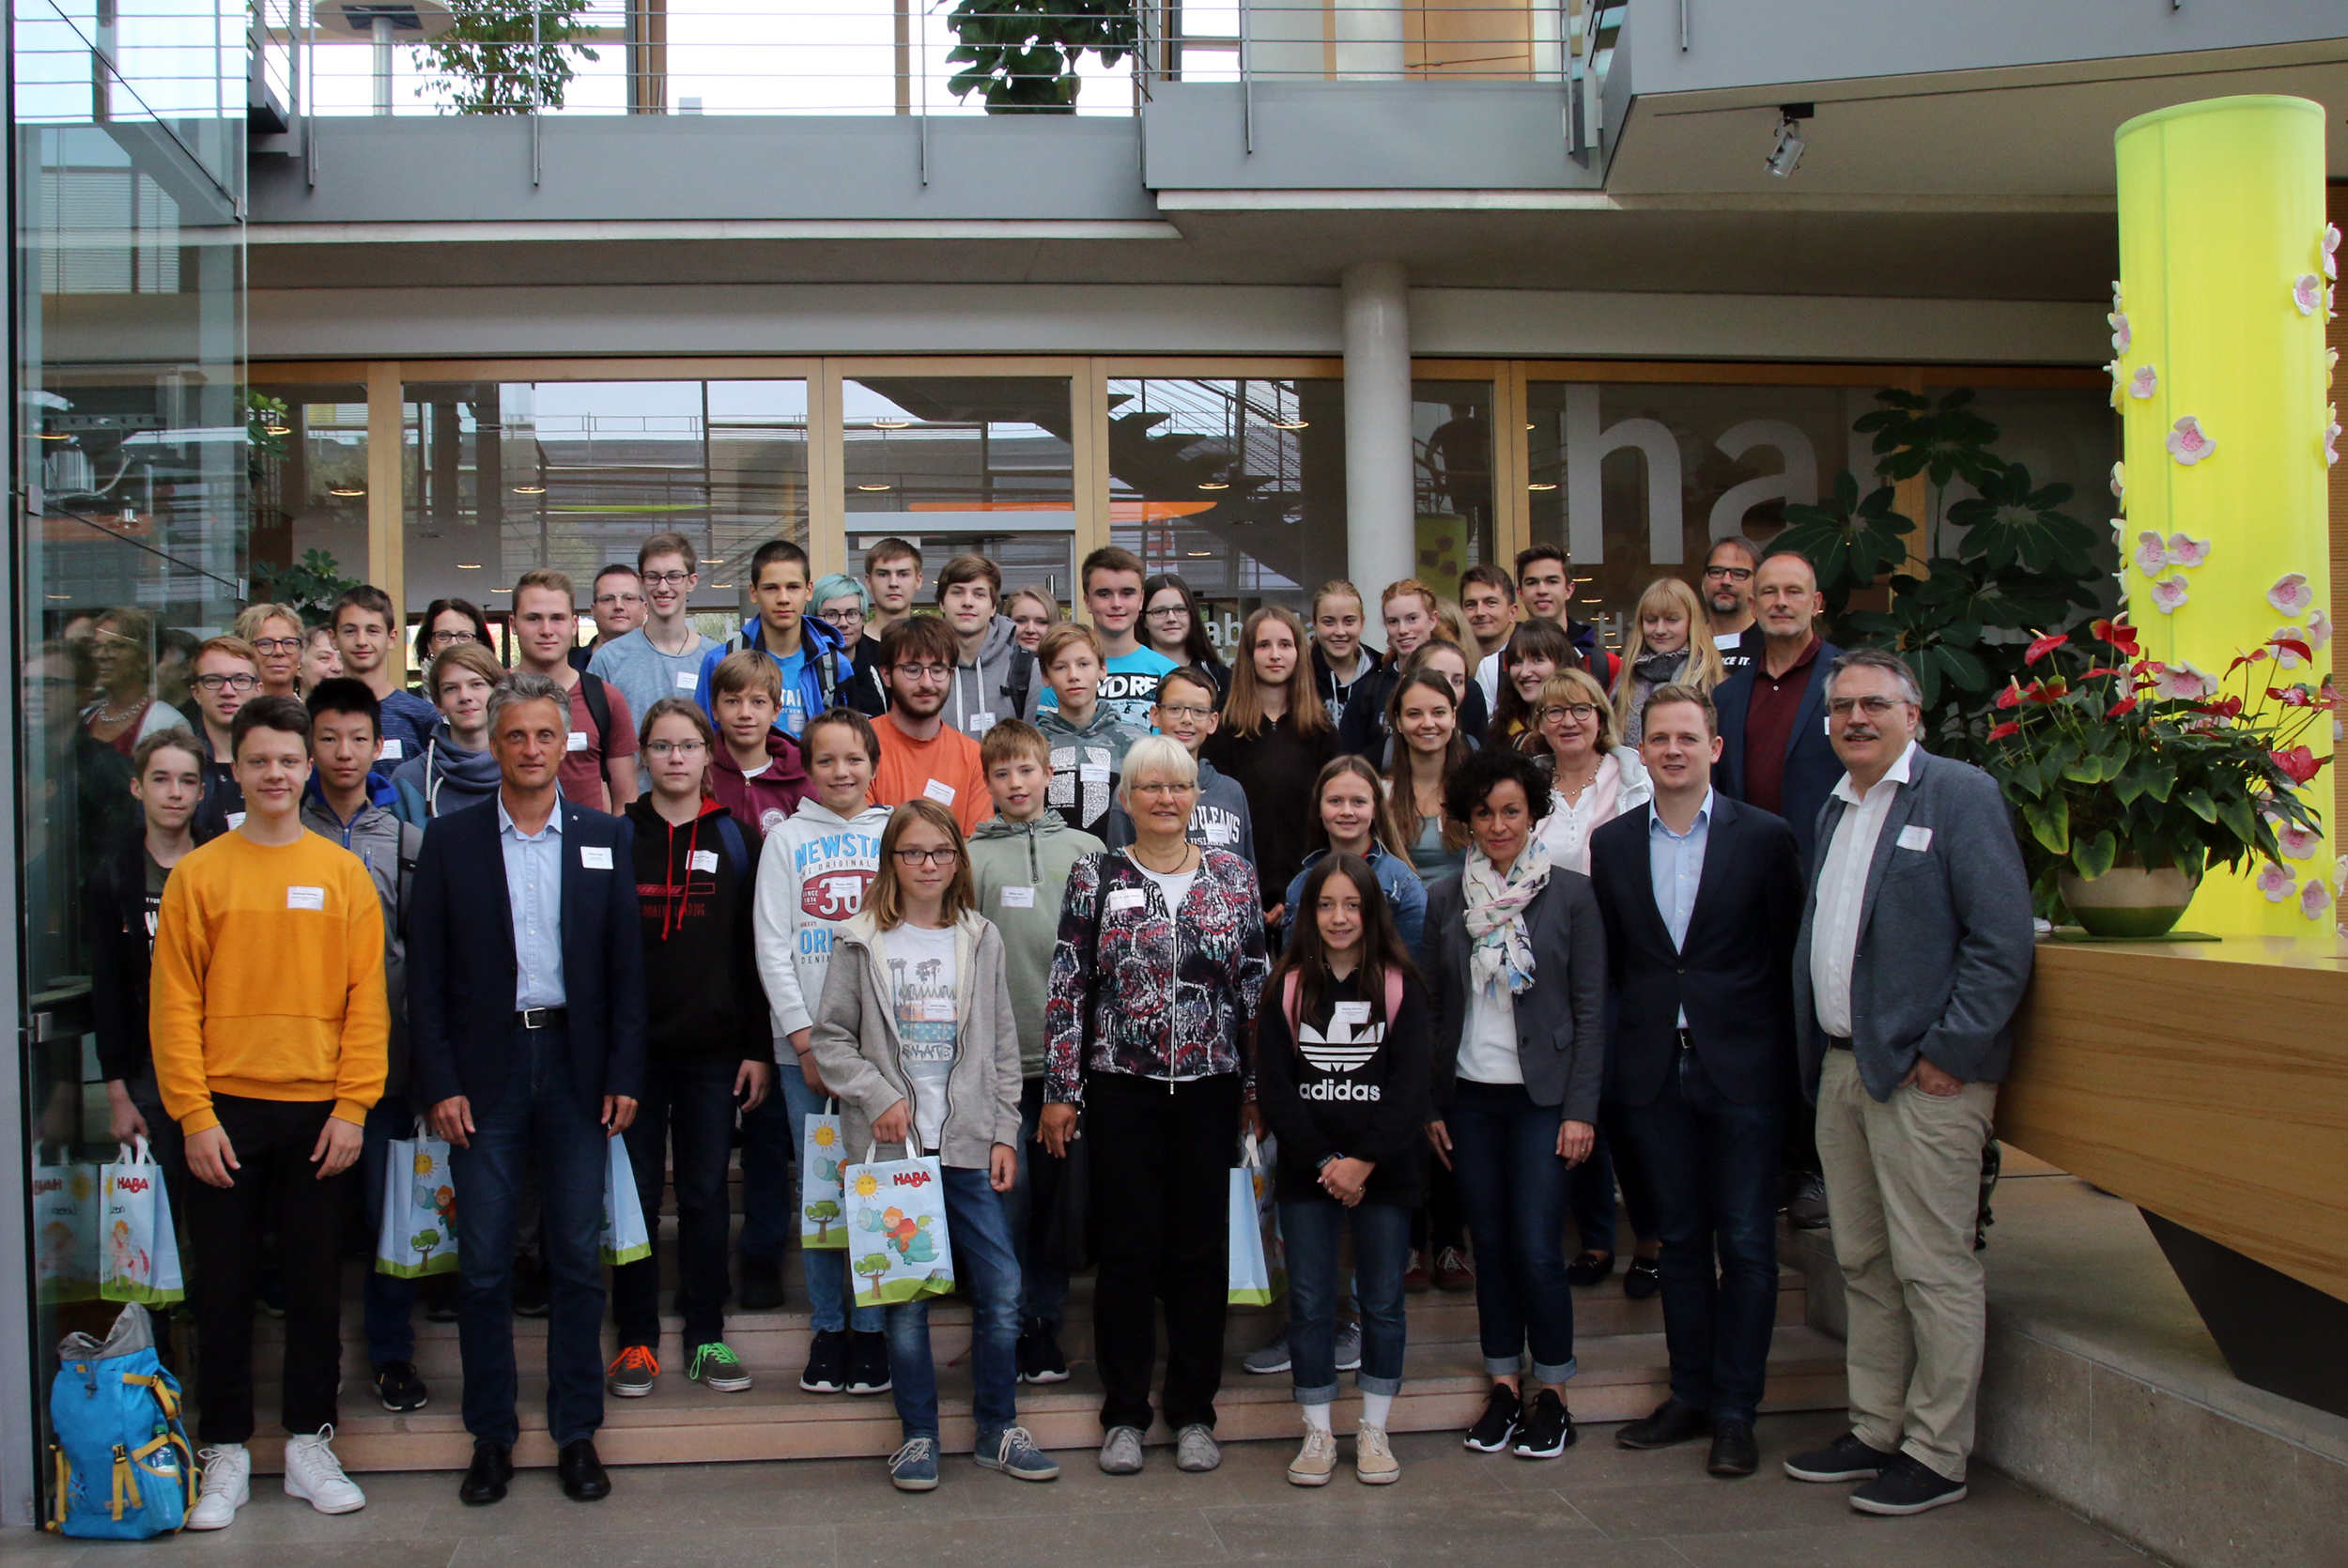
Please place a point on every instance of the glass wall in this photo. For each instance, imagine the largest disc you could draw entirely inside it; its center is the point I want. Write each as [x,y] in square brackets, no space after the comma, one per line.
[309,489]
[1451,448]
[130,458]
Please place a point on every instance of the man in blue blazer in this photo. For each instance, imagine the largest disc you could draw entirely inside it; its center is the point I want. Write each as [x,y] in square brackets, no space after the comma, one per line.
[526,1010]
[1702,900]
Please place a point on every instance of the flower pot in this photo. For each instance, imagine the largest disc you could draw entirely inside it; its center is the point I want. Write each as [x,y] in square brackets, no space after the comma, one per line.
[2127,900]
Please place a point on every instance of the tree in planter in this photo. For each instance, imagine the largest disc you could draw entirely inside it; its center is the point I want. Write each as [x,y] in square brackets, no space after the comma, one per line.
[503,57]
[1024,53]
[310,585]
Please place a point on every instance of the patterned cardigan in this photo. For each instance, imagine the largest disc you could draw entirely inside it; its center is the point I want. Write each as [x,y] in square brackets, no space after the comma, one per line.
[1171,997]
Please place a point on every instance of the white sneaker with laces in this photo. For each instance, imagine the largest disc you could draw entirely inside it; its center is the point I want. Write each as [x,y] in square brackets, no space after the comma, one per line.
[227,1487]
[315,1476]
[1317,1460]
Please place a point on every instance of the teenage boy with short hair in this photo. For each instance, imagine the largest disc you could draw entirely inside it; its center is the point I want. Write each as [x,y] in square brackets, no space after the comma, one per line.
[269,1030]
[806,651]
[813,877]
[757,773]
[598,769]
[892,575]
[1545,589]
[352,806]
[1021,859]
[706,1049]
[616,600]
[1087,740]
[662,656]
[995,679]
[919,754]
[1487,601]
[1128,683]
[225,674]
[365,635]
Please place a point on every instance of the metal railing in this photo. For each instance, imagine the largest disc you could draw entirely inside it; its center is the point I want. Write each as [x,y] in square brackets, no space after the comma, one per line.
[169,65]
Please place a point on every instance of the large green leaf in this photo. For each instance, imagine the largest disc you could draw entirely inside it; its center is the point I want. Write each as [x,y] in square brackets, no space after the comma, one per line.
[2010,524]
[2094,854]
[1848,539]
[2050,823]
[1941,440]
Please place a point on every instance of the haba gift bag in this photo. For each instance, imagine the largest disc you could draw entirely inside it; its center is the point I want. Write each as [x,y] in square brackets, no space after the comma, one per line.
[416,1232]
[822,1210]
[138,1250]
[65,1229]
[625,1238]
[897,1243]
[1259,1264]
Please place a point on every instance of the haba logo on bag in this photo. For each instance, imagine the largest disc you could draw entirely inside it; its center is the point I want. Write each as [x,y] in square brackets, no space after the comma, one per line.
[1346,1047]
[911,1178]
[134,1185]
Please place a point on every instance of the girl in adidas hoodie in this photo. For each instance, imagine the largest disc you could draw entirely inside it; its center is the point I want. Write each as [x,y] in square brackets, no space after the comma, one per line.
[813,874]
[1341,1076]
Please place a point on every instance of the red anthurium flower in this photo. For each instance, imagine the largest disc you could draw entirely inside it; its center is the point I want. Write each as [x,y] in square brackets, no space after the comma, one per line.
[2010,726]
[2230,708]
[2291,696]
[2043,646]
[2098,674]
[2045,692]
[2299,765]
[2292,645]
[2117,633]
[2125,705]
[2256,655]
[2011,697]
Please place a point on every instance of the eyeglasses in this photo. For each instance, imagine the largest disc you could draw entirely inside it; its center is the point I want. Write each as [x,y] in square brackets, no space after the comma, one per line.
[1169,609]
[1581,711]
[441,639]
[667,579]
[1874,707]
[841,617]
[608,599]
[1163,792]
[227,683]
[1192,715]
[910,858]
[277,645]
[923,672]
[675,748]
[1729,574]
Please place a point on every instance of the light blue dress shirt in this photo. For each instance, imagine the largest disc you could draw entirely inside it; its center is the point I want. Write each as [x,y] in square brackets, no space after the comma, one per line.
[1676,866]
[533,889]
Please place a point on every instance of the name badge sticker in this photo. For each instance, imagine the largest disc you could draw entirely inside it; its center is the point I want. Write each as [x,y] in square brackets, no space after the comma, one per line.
[937,1009]
[1126,898]
[1351,1015]
[595,857]
[939,791]
[236,819]
[1018,897]
[393,750]
[685,680]
[577,741]
[1092,773]
[305,898]
[981,723]
[703,860]
[1915,838]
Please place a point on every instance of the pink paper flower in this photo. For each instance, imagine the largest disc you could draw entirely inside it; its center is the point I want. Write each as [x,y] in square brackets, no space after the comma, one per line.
[2151,554]
[2291,594]
[2331,439]
[2184,551]
[2120,483]
[2319,629]
[2145,382]
[2331,249]
[2168,593]
[2184,682]
[2121,337]
[2339,875]
[2189,443]
[2315,899]
[2277,882]
[2307,292]
[2298,842]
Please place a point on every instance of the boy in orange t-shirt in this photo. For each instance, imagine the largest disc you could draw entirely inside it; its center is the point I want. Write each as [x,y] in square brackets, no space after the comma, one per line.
[920,755]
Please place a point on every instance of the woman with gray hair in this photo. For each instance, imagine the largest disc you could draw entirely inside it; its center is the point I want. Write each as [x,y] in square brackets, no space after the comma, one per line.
[841,602]
[1154,984]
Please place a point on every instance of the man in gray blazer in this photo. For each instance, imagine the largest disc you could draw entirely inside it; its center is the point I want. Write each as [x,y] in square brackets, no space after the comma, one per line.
[1914,952]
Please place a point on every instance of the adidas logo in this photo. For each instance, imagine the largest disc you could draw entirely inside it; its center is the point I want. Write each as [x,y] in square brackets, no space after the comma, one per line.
[1342,1050]
[1336,1088]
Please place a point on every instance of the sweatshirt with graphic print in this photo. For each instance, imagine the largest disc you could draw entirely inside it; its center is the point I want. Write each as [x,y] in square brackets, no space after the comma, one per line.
[811,876]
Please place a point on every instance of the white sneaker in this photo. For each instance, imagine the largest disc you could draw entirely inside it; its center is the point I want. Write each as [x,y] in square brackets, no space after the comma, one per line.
[315,1476]
[227,1487]
[1316,1461]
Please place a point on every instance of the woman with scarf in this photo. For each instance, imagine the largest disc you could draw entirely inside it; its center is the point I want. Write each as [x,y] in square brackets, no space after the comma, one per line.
[1670,647]
[1516,983]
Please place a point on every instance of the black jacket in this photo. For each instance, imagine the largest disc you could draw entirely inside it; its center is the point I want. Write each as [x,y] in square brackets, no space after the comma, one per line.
[1363,731]
[1275,767]
[1359,1091]
[122,949]
[1734,975]
[863,691]
[1561,1043]
[1326,681]
[1812,769]
[693,899]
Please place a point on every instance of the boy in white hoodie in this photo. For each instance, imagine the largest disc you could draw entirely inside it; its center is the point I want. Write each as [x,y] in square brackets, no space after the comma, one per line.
[813,873]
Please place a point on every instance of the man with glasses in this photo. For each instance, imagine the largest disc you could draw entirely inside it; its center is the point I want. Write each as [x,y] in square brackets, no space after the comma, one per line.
[617,602]
[1728,569]
[661,656]
[922,756]
[227,673]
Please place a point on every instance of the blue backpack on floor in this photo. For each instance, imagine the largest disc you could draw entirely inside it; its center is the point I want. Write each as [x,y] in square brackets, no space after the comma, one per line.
[124,1467]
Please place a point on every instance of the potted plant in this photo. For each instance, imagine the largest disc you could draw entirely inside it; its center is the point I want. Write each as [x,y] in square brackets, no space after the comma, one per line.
[2131,775]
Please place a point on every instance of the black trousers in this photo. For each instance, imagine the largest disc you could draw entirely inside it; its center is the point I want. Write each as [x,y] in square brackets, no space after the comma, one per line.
[276,1191]
[1162,1155]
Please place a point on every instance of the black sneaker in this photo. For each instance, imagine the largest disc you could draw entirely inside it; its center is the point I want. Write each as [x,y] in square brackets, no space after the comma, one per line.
[1805,1206]
[826,1363]
[1906,1485]
[399,1387]
[1847,1458]
[1498,1423]
[868,1363]
[1589,1268]
[1041,1360]
[1547,1430]
[529,1288]
[761,1289]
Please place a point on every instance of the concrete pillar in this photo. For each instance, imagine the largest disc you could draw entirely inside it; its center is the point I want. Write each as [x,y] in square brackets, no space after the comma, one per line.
[1380,508]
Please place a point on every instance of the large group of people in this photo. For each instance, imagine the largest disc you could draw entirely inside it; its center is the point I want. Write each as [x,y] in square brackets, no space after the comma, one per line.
[1491,932]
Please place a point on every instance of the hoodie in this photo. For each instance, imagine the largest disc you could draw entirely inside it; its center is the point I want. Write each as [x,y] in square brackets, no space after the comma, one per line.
[982,691]
[1019,870]
[811,876]
[1220,820]
[388,846]
[1085,766]
[763,803]
[1335,697]
[701,996]
[825,671]
[443,777]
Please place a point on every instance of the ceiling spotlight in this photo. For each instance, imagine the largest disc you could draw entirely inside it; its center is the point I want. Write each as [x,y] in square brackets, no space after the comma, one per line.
[869,489]
[1538,485]
[1787,156]
[469,566]
[343,490]
[529,490]
[891,423]
[1290,423]
[1198,555]
[1214,485]
[278,430]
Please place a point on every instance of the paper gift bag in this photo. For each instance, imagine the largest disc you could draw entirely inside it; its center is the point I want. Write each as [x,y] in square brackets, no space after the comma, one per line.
[417,1229]
[896,1233]
[139,1251]
[1257,1266]
[65,1230]
[625,1240]
[822,1210]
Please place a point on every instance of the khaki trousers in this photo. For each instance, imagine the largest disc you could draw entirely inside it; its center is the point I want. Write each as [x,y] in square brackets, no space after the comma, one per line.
[1903,1186]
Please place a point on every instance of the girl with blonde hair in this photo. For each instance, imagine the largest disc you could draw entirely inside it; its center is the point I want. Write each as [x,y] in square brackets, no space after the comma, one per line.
[1669,646]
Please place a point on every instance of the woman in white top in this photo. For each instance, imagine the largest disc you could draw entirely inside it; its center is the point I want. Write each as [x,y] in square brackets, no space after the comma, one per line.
[1592,778]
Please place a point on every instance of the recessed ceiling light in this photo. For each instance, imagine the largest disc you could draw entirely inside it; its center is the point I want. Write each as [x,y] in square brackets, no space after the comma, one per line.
[721,585]
[1530,426]
[1198,555]
[343,490]
[891,423]
[529,490]
[278,430]
[469,566]
[57,596]
[1290,423]
[1538,484]
[870,489]
[1214,485]
[57,434]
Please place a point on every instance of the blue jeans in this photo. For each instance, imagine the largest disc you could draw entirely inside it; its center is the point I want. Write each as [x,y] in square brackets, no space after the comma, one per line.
[1044,1296]
[770,1141]
[989,1275]
[1503,1151]
[1310,1231]
[688,1104]
[828,1293]
[1712,1169]
[388,1301]
[538,1121]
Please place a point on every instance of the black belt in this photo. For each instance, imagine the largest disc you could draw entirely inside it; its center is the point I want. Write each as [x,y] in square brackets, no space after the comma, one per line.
[1838,1042]
[542,1018]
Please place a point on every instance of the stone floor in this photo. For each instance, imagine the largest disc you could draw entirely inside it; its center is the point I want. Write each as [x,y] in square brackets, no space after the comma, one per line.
[1598,1507]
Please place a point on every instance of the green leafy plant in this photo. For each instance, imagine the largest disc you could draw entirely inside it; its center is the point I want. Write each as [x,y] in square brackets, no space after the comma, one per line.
[505,58]
[267,423]
[310,585]
[2112,758]
[1023,54]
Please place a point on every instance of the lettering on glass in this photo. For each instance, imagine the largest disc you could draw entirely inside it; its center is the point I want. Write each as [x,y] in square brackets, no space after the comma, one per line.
[1587,446]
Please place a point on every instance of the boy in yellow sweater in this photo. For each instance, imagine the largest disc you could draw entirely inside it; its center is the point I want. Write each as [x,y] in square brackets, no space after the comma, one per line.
[270,1032]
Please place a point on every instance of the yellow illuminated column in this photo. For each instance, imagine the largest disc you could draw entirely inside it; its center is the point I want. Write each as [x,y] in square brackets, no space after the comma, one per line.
[2221,377]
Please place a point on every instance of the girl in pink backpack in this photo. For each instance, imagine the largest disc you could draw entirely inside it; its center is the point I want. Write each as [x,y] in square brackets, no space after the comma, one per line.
[1341,1076]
